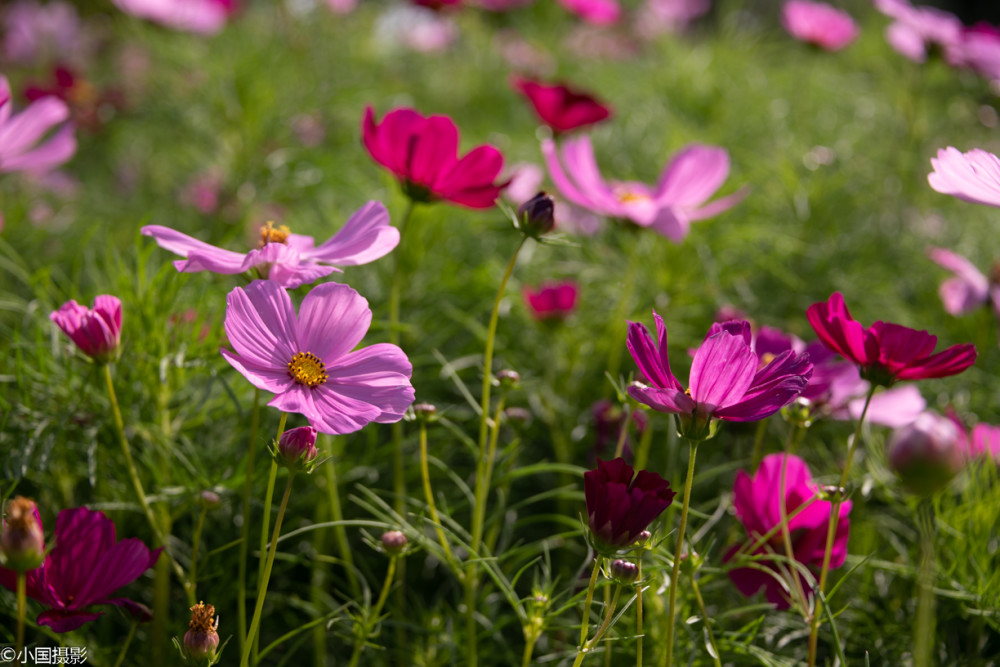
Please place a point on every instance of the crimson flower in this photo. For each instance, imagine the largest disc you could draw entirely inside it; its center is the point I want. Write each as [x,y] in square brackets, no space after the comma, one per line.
[885,352]
[84,568]
[560,107]
[422,152]
[622,504]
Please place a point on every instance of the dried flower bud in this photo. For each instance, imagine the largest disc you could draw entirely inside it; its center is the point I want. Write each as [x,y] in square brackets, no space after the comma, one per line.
[22,545]
[926,454]
[624,572]
[297,447]
[537,215]
[202,638]
[394,541]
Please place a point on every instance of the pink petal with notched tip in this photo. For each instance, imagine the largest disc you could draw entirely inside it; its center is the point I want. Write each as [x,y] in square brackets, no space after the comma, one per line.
[365,237]
[973,177]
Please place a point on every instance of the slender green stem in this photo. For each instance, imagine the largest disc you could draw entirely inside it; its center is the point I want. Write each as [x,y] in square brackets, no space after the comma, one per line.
[241,590]
[262,589]
[128,642]
[642,451]
[22,601]
[832,529]
[529,649]
[623,432]
[704,619]
[758,444]
[786,536]
[372,618]
[588,646]
[585,624]
[638,613]
[264,526]
[678,552]
[923,646]
[339,532]
[618,328]
[195,543]
[483,480]
[425,473]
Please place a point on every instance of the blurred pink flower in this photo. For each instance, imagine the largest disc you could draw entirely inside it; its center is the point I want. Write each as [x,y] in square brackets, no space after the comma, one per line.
[306,359]
[917,29]
[21,148]
[205,17]
[551,300]
[659,16]
[503,5]
[679,198]
[417,28]
[309,129]
[342,6]
[982,441]
[968,289]
[978,48]
[202,191]
[525,180]
[596,12]
[819,23]
[96,331]
[36,33]
[973,177]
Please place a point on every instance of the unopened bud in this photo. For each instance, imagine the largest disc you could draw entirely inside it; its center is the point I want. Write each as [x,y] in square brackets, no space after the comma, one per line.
[424,412]
[209,499]
[509,379]
[926,454]
[799,412]
[22,545]
[297,447]
[394,541]
[202,638]
[517,415]
[690,562]
[644,538]
[624,572]
[537,215]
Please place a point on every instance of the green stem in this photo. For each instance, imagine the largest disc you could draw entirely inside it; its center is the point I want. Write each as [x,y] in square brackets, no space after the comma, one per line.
[758,444]
[264,526]
[529,649]
[678,552]
[642,451]
[128,642]
[618,328]
[372,619]
[241,590]
[588,646]
[638,613]
[786,536]
[425,473]
[585,624]
[623,432]
[832,530]
[339,532]
[22,580]
[195,543]
[923,646]
[262,589]
[704,619]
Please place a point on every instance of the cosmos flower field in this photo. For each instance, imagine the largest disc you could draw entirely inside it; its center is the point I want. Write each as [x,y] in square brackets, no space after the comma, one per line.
[564,332]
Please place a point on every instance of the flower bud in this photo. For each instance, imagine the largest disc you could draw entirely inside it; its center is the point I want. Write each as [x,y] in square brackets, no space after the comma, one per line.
[690,562]
[537,215]
[644,538]
[394,541]
[624,572]
[424,412]
[517,415]
[22,545]
[926,454]
[209,499]
[297,447]
[202,638]
[509,379]
[96,331]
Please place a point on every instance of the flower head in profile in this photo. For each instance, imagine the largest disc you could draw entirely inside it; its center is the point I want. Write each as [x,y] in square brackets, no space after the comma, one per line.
[306,359]
[885,352]
[83,569]
[560,107]
[22,146]
[982,441]
[968,289]
[758,507]
[728,380]
[551,300]
[677,200]
[202,638]
[22,544]
[205,17]
[422,152]
[819,23]
[973,177]
[916,30]
[621,504]
[285,258]
[96,331]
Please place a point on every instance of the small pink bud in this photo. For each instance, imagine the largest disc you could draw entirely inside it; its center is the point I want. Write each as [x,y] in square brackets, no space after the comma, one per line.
[297,446]
[96,331]
[624,572]
[22,545]
[394,541]
[926,454]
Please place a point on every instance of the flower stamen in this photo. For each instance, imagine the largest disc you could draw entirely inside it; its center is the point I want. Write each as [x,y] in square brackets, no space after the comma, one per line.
[271,234]
[308,369]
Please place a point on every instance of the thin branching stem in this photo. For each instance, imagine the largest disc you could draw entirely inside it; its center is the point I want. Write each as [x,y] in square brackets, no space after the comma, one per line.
[372,619]
[704,619]
[241,590]
[431,506]
[923,646]
[678,552]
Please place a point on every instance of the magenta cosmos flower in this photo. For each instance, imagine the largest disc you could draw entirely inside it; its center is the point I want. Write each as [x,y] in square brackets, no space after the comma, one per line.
[21,144]
[622,504]
[422,152]
[84,568]
[973,177]
[595,12]
[758,508]
[818,23]
[915,30]
[306,359]
[205,17]
[96,331]
[560,107]
[678,199]
[885,352]
[552,300]
[728,380]
[288,259]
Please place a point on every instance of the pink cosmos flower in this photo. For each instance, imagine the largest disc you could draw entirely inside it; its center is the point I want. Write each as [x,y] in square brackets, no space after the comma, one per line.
[205,17]
[758,508]
[414,27]
[978,48]
[982,441]
[917,29]
[285,258]
[885,352]
[37,33]
[659,16]
[342,6]
[560,107]
[973,177]
[727,381]
[20,134]
[96,331]
[678,199]
[423,154]
[306,359]
[968,289]
[84,567]
[596,12]
[552,300]
[818,23]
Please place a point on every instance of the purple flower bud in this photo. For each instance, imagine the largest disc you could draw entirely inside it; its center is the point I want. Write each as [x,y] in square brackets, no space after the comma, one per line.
[96,331]
[297,446]
[22,545]
[509,379]
[424,412]
[926,454]
[624,572]
[537,215]
[394,541]
[202,638]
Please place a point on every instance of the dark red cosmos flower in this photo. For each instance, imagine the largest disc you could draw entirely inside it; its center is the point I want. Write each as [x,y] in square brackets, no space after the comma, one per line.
[885,352]
[437,5]
[560,107]
[621,504]
[423,154]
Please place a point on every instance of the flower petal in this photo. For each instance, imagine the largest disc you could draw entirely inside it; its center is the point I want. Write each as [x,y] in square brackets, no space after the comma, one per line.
[365,237]
[332,320]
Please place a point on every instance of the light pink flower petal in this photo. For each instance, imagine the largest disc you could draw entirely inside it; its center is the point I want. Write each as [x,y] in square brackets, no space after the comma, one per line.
[566,186]
[59,148]
[968,290]
[664,400]
[894,407]
[714,208]
[906,41]
[261,324]
[694,175]
[365,237]
[973,177]
[336,412]
[580,161]
[264,377]
[24,129]
[670,223]
[333,319]
[201,256]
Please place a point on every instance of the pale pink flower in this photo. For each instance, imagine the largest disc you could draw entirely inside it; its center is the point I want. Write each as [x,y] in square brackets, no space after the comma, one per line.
[967,290]
[979,50]
[342,6]
[205,17]
[416,28]
[35,33]
[917,29]
[973,177]
[21,145]
[660,16]
[818,23]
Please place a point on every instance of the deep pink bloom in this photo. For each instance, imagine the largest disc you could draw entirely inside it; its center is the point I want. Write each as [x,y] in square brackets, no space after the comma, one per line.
[96,331]
[552,300]
[423,154]
[288,259]
[306,359]
[678,199]
[298,445]
[622,504]
[973,177]
[917,29]
[728,380]
[758,508]
[596,12]
[21,145]
[205,17]
[885,352]
[84,567]
[968,289]
[560,107]
[437,4]
[342,6]
[819,23]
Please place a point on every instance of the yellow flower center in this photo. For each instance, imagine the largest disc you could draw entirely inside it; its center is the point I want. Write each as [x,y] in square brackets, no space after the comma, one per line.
[306,368]
[271,234]
[626,196]
[767,358]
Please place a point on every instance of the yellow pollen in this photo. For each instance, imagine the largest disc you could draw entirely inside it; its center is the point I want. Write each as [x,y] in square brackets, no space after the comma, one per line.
[306,368]
[627,196]
[271,234]
[767,358]
[203,618]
